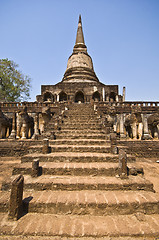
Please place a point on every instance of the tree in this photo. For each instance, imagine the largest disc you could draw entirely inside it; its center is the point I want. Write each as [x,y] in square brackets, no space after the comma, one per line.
[14,86]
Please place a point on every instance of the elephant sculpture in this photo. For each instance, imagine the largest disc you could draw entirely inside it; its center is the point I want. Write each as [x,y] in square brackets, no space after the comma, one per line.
[25,124]
[133,125]
[45,117]
[153,124]
[5,125]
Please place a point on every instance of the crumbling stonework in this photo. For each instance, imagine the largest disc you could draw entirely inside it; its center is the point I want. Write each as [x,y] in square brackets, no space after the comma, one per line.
[93,148]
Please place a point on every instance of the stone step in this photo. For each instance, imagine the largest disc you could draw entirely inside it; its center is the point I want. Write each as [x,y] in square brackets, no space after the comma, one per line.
[73,183]
[60,136]
[75,169]
[81,131]
[80,123]
[75,157]
[72,148]
[80,115]
[80,136]
[79,118]
[82,107]
[80,142]
[60,227]
[97,203]
[76,124]
[79,127]
[80,111]
[74,121]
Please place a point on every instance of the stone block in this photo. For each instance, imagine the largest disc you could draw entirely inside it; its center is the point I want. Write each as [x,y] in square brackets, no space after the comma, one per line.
[114,149]
[45,147]
[16,197]
[35,168]
[113,137]
[123,169]
[135,171]
[113,141]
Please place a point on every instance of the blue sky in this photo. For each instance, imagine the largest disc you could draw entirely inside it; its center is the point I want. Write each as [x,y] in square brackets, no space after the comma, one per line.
[122,37]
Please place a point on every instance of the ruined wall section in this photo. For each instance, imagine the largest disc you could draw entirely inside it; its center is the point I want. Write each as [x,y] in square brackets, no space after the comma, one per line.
[88,89]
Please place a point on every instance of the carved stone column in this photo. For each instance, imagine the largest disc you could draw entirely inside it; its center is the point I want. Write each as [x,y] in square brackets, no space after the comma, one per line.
[95,107]
[103,93]
[115,127]
[3,132]
[36,126]
[122,134]
[123,94]
[13,132]
[156,133]
[0,130]
[24,131]
[18,126]
[7,132]
[107,98]
[140,130]
[158,130]
[134,130]
[146,134]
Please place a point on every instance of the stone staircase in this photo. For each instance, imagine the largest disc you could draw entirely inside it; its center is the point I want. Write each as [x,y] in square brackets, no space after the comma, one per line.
[79,193]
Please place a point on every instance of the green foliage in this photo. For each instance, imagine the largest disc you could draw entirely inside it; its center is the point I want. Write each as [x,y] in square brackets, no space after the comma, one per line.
[14,86]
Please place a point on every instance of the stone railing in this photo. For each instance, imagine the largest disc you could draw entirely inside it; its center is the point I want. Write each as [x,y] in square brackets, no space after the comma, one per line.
[12,106]
[119,107]
[32,107]
[130,103]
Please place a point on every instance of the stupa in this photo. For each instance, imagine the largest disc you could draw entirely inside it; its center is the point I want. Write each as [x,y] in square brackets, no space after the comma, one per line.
[79,83]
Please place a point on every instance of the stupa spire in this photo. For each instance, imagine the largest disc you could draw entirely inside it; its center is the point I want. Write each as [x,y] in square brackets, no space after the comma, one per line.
[80,65]
[80,44]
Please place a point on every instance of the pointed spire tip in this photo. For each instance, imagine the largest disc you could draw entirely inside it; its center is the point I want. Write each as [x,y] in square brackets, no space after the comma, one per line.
[79,19]
[80,44]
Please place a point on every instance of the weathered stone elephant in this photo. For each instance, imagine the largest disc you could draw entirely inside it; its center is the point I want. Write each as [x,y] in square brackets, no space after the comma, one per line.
[134,126]
[25,124]
[5,125]
[153,124]
[45,117]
